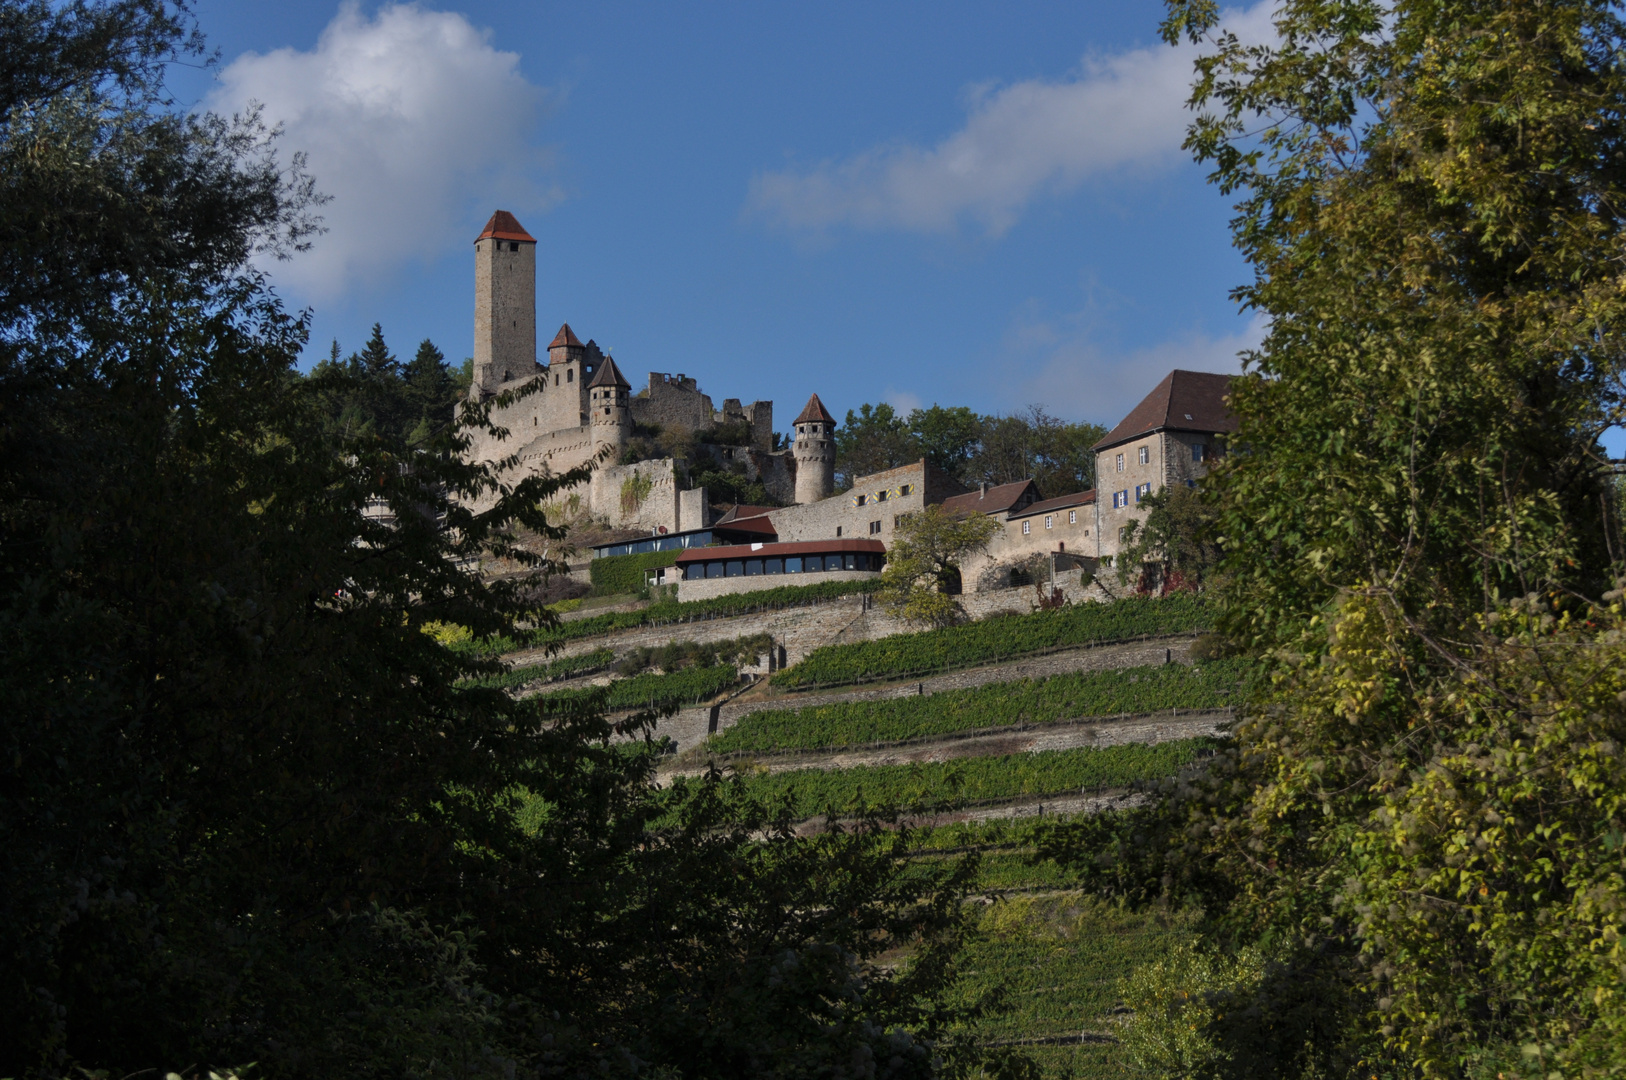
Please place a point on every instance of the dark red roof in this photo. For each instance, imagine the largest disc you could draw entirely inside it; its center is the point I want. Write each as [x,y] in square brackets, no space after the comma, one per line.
[609,375]
[1062,502]
[565,337]
[769,551]
[505,226]
[1183,401]
[814,412]
[997,500]
[746,510]
[754,526]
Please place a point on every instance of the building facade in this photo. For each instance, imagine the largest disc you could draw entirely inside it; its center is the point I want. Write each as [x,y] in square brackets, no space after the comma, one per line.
[1171,437]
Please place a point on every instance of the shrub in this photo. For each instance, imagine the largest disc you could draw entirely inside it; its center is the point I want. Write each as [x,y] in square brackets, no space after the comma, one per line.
[617,574]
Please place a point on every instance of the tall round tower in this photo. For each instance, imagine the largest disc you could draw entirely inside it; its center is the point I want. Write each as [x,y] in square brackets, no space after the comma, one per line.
[815,452]
[609,408]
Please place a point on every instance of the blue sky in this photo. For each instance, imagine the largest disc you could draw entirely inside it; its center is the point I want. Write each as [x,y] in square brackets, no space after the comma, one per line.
[980,205]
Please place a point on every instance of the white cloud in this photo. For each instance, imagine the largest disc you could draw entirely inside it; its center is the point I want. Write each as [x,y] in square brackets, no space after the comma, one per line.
[1074,376]
[414,124]
[1117,113]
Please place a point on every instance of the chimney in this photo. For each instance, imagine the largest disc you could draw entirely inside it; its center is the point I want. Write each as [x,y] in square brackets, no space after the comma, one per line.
[984,494]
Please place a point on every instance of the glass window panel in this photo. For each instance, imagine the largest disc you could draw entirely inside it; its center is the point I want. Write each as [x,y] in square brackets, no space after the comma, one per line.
[775,566]
[753,567]
[793,565]
[714,569]
[851,562]
[736,568]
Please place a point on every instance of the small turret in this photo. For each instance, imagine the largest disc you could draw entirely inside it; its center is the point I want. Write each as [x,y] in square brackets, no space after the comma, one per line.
[609,407]
[815,452]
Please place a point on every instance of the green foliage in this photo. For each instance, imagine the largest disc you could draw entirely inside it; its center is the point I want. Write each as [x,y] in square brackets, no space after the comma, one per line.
[552,671]
[616,575]
[923,565]
[252,811]
[1030,701]
[663,691]
[1418,818]
[969,447]
[1002,638]
[808,792]
[675,654]
[1174,547]
[731,486]
[371,395]
[634,490]
[1059,961]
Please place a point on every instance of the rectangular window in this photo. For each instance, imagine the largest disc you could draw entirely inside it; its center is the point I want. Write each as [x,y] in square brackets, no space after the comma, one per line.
[860,500]
[906,489]
[1141,491]
[1120,463]
[1072,517]
[880,496]
[851,561]
[838,531]
[1027,527]
[774,566]
[895,518]
[1146,455]
[694,571]
[874,527]
[793,565]
[1197,452]
[1049,521]
[736,568]
[714,569]
[753,567]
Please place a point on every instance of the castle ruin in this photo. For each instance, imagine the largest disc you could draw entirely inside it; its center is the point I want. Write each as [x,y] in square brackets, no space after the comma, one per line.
[583,409]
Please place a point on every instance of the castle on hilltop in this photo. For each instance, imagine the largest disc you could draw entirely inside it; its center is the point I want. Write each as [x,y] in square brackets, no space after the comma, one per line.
[583,409]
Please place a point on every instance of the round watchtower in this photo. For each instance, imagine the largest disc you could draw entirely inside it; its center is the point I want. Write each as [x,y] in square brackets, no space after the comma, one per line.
[609,408]
[815,452]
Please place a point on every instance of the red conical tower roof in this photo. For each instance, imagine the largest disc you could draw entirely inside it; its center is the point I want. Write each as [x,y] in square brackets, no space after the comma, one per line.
[565,338]
[814,413]
[505,226]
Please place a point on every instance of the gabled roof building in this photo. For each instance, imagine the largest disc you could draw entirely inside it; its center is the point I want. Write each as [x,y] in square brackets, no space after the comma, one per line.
[1171,437]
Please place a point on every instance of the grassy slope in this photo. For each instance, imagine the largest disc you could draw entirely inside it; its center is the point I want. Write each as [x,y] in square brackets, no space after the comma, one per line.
[813,791]
[1028,701]
[905,655]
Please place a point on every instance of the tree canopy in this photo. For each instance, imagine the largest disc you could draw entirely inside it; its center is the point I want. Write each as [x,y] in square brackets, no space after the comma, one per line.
[1407,855]
[969,447]
[253,811]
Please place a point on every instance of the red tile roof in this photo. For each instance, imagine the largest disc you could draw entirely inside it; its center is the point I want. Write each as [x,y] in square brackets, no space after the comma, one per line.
[997,500]
[505,226]
[814,412]
[1062,502]
[768,551]
[740,511]
[608,375]
[755,526]
[1183,401]
[565,338]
